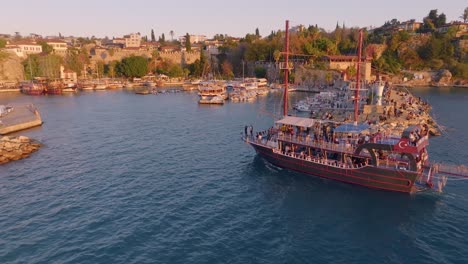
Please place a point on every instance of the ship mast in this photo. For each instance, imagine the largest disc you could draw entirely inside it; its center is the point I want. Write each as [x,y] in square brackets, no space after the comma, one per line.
[286,70]
[358,79]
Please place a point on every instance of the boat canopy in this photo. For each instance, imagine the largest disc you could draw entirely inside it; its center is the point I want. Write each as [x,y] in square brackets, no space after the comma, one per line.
[351,128]
[297,121]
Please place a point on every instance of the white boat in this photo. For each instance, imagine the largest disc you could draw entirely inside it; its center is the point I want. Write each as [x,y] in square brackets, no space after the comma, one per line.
[212,93]
[85,85]
[100,86]
[70,88]
[302,107]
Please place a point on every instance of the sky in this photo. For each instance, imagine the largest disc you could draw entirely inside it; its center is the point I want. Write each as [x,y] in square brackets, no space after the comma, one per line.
[114,18]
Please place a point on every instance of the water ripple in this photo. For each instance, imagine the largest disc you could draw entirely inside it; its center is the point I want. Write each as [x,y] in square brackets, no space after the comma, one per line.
[159,179]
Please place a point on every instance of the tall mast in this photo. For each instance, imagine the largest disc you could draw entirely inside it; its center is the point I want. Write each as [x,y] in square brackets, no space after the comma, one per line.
[358,79]
[286,70]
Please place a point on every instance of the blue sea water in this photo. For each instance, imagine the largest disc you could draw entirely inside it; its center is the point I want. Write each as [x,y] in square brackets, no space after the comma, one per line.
[125,178]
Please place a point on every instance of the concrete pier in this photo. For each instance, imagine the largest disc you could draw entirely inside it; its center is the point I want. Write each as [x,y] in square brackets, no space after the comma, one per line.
[22,117]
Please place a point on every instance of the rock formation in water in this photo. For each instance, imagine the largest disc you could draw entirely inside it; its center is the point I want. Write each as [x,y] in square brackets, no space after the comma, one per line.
[15,148]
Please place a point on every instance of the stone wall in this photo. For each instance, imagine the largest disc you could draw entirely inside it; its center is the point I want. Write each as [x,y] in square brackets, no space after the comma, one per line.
[181,57]
[178,57]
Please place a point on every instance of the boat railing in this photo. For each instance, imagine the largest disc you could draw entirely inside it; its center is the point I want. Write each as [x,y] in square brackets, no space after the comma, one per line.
[322,144]
[319,160]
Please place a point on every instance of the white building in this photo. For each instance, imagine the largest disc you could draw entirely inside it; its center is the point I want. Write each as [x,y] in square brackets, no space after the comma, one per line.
[68,76]
[59,46]
[15,50]
[193,39]
[25,47]
[133,40]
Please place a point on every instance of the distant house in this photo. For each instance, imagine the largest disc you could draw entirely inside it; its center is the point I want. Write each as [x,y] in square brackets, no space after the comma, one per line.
[60,47]
[35,36]
[193,39]
[68,76]
[26,47]
[461,28]
[169,48]
[132,40]
[150,45]
[343,63]
[14,49]
[119,41]
[5,36]
[410,25]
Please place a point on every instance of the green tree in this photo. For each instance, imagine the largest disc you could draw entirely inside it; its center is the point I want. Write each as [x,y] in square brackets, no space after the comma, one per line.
[153,37]
[76,59]
[226,68]
[188,45]
[172,35]
[100,65]
[464,16]
[46,48]
[31,66]
[3,43]
[110,69]
[260,72]
[175,70]
[433,21]
[257,33]
[133,66]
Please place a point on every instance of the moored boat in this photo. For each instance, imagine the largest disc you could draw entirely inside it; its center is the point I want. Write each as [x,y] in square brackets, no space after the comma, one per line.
[32,87]
[212,93]
[54,87]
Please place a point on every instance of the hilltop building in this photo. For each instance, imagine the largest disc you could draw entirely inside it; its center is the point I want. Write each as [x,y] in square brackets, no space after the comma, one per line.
[60,47]
[460,27]
[343,63]
[24,47]
[193,39]
[410,25]
[132,40]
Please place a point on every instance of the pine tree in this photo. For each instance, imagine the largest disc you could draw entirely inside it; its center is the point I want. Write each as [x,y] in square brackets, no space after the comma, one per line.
[153,38]
[188,45]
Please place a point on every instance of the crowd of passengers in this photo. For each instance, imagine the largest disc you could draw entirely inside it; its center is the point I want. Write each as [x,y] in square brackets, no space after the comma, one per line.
[318,157]
[325,134]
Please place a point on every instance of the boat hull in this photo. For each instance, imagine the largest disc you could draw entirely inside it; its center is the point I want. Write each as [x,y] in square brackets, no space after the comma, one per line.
[368,176]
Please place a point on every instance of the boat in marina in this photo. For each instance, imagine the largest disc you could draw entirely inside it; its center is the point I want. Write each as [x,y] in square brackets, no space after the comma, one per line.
[241,94]
[70,88]
[53,87]
[143,90]
[100,85]
[85,85]
[351,152]
[212,93]
[32,87]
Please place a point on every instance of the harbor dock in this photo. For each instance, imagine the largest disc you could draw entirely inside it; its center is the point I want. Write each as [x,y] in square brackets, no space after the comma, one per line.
[19,117]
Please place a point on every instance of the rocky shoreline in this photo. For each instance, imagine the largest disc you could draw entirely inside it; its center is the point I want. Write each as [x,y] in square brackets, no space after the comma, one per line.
[16,148]
[400,110]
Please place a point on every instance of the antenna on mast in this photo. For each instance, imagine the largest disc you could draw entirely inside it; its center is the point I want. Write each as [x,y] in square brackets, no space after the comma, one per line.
[358,79]
[286,70]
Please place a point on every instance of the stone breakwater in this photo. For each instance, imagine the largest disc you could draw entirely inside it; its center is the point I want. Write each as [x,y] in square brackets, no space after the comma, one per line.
[16,148]
[399,110]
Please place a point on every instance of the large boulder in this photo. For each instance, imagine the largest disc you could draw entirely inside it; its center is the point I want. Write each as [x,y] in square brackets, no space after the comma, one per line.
[443,76]
[15,148]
